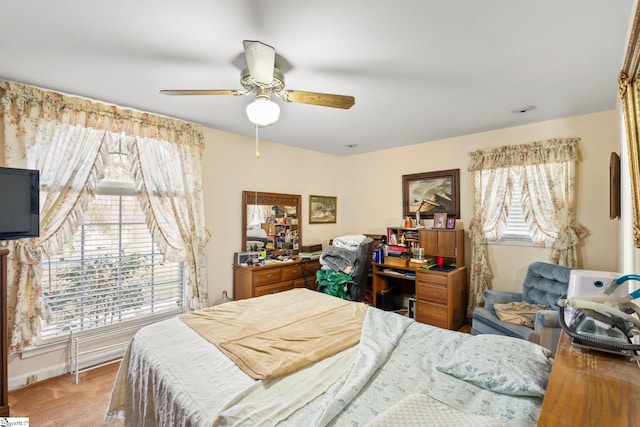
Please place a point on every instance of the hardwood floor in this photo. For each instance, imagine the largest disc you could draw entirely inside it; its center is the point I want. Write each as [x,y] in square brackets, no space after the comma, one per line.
[466,328]
[60,402]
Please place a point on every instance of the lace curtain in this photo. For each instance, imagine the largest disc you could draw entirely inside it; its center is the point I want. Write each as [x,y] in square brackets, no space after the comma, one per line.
[545,173]
[171,197]
[44,130]
[257,214]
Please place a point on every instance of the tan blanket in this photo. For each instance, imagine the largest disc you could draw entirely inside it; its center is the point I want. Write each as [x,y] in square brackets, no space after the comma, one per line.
[519,312]
[277,334]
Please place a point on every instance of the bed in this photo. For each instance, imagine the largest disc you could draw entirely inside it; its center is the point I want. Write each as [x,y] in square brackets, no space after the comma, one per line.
[257,239]
[395,370]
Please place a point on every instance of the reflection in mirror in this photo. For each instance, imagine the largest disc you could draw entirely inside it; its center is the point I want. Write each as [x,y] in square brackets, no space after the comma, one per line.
[271,221]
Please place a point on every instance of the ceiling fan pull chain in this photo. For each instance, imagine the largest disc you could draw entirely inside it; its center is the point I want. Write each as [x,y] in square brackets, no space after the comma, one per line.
[257,145]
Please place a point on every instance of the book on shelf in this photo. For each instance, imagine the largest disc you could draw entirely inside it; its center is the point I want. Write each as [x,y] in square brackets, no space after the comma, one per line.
[398,255]
[397,248]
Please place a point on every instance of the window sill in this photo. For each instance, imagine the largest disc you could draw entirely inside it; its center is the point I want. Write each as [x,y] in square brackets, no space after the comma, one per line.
[512,242]
[107,333]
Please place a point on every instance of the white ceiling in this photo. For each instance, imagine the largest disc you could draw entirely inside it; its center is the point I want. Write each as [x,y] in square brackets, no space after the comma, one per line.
[420,70]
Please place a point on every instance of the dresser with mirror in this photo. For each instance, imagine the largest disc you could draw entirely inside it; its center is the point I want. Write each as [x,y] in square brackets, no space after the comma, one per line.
[272,222]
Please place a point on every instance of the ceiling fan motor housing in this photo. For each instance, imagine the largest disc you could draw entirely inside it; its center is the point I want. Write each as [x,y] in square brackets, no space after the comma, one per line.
[276,85]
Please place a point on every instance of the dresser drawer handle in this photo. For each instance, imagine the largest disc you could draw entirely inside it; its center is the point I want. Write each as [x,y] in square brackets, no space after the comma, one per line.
[269,276]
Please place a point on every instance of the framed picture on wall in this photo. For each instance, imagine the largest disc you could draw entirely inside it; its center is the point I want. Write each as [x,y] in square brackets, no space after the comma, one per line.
[435,191]
[323,209]
[614,186]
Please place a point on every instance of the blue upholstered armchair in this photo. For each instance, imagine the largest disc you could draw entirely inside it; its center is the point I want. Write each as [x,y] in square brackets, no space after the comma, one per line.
[544,284]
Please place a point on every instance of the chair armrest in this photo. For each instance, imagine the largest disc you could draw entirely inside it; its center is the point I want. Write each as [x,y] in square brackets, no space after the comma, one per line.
[499,297]
[547,319]
[547,325]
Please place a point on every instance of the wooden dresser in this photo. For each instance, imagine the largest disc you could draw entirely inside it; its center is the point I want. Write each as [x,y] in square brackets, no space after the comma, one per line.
[591,388]
[255,281]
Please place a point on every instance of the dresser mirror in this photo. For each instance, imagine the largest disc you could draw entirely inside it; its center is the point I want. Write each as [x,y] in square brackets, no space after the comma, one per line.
[271,221]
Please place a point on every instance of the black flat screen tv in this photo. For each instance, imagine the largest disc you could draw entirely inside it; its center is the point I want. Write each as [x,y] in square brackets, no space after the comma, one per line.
[19,203]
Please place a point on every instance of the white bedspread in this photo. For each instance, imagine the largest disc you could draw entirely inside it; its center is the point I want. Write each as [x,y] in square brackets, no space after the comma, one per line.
[172,377]
[411,369]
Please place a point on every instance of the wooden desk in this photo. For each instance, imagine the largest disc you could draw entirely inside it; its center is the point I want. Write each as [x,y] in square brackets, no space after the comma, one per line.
[440,296]
[591,388]
[382,279]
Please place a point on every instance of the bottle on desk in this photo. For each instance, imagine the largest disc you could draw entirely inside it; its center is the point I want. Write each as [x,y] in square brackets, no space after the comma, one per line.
[378,256]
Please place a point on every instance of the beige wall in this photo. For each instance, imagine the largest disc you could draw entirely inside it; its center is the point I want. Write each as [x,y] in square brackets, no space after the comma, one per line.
[230,167]
[369,191]
[378,200]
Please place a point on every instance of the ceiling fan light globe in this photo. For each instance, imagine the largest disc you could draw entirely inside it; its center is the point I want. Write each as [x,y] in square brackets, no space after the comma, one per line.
[263,112]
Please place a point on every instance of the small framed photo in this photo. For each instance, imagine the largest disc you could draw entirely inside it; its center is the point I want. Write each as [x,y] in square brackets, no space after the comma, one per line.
[451,223]
[439,220]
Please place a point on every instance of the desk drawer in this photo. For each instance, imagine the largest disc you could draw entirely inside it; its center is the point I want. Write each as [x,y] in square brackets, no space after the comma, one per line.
[271,275]
[432,277]
[433,314]
[274,288]
[431,292]
[292,272]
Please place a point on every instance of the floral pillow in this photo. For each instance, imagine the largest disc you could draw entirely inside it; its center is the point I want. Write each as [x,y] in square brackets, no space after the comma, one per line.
[501,364]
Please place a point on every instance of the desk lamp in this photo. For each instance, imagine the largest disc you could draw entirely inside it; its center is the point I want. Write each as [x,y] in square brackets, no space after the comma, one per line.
[422,203]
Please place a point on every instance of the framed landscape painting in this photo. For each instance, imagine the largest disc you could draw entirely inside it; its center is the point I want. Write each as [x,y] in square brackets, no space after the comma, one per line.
[437,192]
[323,209]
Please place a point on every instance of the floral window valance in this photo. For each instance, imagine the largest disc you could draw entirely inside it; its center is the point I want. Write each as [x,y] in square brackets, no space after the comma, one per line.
[66,138]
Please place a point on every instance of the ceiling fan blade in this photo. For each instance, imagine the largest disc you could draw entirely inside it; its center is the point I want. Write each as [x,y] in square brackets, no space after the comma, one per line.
[204,92]
[314,98]
[261,59]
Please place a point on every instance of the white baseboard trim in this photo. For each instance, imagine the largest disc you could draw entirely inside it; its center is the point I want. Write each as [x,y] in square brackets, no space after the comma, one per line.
[97,357]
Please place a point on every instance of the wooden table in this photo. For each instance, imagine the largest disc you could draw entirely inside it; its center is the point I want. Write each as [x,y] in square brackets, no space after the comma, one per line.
[591,388]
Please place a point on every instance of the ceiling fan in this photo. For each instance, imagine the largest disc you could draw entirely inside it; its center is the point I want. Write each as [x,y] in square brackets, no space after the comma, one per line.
[262,78]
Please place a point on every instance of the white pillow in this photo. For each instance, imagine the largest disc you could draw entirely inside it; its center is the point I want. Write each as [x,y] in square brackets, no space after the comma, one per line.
[501,364]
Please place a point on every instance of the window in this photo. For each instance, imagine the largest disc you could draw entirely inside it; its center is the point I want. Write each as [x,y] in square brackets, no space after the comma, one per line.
[545,172]
[516,231]
[110,272]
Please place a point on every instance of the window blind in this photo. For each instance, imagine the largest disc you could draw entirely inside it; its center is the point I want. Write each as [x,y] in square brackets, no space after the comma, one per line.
[517,227]
[111,272]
